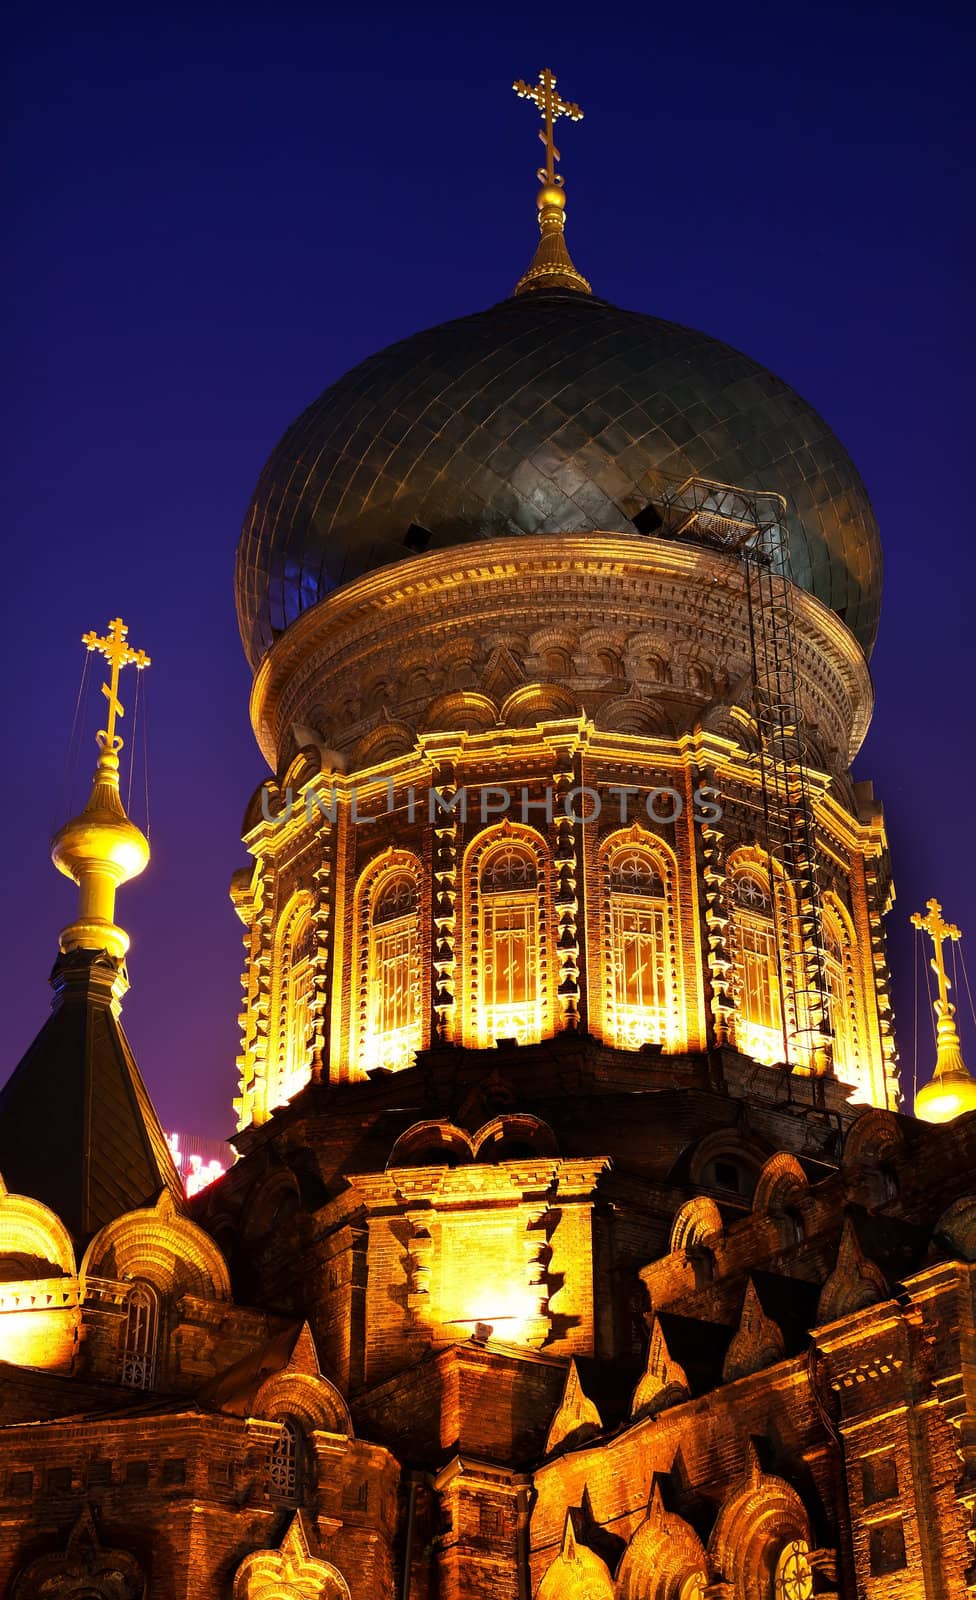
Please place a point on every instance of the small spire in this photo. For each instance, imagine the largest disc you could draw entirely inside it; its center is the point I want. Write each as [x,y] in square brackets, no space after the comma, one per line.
[100,848]
[551,266]
[952,1090]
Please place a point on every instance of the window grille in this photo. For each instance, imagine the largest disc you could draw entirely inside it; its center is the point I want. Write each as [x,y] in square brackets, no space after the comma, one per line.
[141,1337]
[283,1470]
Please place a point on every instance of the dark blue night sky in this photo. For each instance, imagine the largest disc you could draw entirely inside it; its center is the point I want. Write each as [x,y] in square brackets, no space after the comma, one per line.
[215,210]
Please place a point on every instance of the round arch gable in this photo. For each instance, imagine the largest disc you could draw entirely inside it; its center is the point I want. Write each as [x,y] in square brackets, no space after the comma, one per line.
[751,1530]
[165,1248]
[29,1229]
[665,1560]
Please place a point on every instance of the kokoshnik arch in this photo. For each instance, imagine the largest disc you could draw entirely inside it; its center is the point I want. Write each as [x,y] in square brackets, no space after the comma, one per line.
[577,1247]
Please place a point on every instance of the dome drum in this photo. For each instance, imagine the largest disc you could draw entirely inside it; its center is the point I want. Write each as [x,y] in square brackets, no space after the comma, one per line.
[647,637]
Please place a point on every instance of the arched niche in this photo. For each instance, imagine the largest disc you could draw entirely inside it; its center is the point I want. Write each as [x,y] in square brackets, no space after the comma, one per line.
[269,1203]
[538,702]
[782,1183]
[461,711]
[727,1161]
[433,1143]
[384,743]
[513,1135]
[875,1138]
[697,1223]
[630,715]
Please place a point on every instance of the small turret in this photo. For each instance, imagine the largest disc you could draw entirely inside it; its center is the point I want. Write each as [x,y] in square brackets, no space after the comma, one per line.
[78,1130]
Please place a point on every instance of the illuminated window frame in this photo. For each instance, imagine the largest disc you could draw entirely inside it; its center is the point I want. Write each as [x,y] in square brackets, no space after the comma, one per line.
[374,1046]
[843,990]
[295,994]
[774,924]
[629,1025]
[531,1020]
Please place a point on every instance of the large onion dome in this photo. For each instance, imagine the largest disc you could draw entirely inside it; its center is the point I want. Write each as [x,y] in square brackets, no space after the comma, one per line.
[553,412]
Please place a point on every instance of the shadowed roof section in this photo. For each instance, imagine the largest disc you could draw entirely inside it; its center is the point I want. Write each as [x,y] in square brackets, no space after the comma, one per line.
[78,1130]
[234,1389]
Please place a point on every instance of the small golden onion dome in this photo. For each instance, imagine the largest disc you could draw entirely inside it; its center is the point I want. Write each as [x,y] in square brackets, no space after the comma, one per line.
[100,849]
[952,1090]
[949,1095]
[102,836]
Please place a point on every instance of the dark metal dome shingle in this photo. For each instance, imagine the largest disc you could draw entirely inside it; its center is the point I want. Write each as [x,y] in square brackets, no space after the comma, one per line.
[545,414]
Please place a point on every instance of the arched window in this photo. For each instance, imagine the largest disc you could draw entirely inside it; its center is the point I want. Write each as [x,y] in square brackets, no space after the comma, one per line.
[840,1013]
[284,1466]
[759,1024]
[507,955]
[392,1035]
[642,1003]
[140,1339]
[793,1578]
[296,990]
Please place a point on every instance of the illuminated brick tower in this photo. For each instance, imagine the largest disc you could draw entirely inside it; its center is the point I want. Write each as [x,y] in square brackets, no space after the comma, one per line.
[576,1248]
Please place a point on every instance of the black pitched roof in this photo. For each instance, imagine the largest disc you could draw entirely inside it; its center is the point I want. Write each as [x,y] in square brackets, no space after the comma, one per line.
[78,1130]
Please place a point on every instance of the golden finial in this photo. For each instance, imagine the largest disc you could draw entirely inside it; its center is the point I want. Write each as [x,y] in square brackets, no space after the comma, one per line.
[101,848]
[551,266]
[952,1090]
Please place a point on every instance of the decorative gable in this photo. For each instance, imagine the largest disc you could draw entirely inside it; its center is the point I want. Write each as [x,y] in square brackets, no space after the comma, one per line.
[577,1418]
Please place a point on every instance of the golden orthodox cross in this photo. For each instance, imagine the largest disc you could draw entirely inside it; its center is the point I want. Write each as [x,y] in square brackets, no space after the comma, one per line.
[551,106]
[118,654]
[938,930]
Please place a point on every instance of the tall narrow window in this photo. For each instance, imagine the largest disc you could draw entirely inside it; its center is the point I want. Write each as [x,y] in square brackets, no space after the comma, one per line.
[297,988]
[141,1336]
[835,959]
[284,1467]
[508,948]
[759,1012]
[642,988]
[392,1035]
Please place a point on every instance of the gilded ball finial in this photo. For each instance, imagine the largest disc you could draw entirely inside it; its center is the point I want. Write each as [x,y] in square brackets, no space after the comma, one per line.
[551,196]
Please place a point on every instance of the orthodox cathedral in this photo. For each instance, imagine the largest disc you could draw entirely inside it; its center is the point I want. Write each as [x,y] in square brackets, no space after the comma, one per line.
[574,1244]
